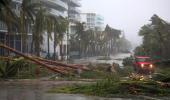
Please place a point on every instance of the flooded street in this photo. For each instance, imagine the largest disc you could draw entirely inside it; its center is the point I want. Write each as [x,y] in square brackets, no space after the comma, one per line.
[118,58]
[37,91]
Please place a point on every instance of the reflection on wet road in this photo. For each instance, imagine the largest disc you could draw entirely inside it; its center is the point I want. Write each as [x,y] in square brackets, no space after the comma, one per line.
[21,92]
[118,58]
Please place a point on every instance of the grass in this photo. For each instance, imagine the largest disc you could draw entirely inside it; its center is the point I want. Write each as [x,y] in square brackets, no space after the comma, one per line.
[162,74]
[112,86]
[109,88]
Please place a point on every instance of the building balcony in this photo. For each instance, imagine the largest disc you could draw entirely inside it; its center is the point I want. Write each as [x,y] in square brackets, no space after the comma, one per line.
[74,17]
[74,10]
[56,4]
[57,13]
[74,3]
[17,1]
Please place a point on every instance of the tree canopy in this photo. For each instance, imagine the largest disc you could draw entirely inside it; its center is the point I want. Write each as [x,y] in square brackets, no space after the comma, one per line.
[156,37]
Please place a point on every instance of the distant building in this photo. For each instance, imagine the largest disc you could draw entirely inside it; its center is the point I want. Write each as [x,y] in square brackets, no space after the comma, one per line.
[93,21]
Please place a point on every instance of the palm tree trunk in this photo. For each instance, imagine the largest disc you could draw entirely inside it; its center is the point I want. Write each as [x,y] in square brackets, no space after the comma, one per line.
[54,56]
[48,44]
[8,39]
[61,51]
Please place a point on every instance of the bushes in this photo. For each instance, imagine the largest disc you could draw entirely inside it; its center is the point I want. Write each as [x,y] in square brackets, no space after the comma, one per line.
[20,68]
[162,75]
[10,69]
[123,72]
[102,70]
[101,88]
[163,63]
[113,86]
[128,61]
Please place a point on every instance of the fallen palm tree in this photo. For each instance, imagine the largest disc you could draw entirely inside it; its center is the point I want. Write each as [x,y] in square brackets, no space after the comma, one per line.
[49,64]
[50,67]
[62,64]
[5,58]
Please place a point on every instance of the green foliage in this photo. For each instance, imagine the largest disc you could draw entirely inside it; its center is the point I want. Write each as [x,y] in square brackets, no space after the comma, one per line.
[163,74]
[102,70]
[128,61]
[111,86]
[162,63]
[10,68]
[94,74]
[124,72]
[93,42]
[21,69]
[156,38]
[124,45]
[101,88]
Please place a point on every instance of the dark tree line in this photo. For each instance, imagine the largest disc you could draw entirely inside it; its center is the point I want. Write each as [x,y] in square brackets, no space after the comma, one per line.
[156,38]
[97,43]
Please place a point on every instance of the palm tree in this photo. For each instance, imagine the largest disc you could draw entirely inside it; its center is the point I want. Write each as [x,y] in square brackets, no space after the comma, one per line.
[60,27]
[9,18]
[5,4]
[38,30]
[79,35]
[111,36]
[50,29]
[27,14]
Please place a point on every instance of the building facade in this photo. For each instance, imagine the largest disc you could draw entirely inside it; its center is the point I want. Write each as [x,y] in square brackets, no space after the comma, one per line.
[73,15]
[93,21]
[56,8]
[65,8]
[13,39]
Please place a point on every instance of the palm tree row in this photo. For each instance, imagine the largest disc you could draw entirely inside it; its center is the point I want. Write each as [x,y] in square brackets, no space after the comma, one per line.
[33,16]
[95,43]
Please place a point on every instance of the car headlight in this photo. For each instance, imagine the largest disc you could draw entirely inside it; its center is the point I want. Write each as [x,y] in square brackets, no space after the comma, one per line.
[151,66]
[142,65]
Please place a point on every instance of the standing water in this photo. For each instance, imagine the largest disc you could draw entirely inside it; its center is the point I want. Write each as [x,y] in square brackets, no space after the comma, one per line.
[37,91]
[118,58]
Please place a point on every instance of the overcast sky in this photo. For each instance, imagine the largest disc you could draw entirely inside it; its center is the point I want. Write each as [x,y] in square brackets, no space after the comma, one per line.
[128,15]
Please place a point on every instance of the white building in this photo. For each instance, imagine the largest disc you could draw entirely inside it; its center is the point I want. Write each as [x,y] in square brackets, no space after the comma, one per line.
[68,9]
[56,8]
[73,14]
[65,8]
[93,21]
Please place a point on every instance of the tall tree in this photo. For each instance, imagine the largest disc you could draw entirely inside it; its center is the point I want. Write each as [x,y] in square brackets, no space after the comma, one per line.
[9,18]
[50,28]
[27,14]
[60,27]
[38,30]
[156,37]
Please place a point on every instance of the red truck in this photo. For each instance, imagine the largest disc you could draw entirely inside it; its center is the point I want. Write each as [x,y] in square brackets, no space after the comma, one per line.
[143,65]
